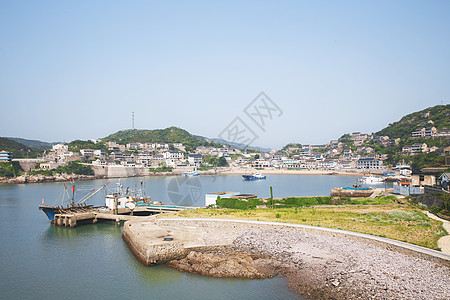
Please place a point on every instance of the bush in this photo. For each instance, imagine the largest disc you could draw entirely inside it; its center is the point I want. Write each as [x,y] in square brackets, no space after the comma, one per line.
[74,167]
[41,172]
[238,204]
[305,201]
[10,169]
[161,169]
[435,209]
[400,215]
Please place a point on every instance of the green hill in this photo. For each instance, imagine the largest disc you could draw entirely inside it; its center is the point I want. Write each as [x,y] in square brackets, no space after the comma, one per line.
[17,149]
[168,135]
[33,143]
[439,115]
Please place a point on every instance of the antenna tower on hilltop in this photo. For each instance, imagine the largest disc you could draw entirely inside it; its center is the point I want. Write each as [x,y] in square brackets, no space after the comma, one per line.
[132,120]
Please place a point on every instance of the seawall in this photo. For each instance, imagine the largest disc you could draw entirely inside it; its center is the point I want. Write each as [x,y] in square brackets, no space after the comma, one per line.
[190,233]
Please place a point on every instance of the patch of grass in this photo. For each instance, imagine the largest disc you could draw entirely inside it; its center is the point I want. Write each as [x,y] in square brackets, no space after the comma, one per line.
[395,221]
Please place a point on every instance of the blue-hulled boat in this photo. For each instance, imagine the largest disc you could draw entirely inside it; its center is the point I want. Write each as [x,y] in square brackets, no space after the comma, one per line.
[72,207]
[254,176]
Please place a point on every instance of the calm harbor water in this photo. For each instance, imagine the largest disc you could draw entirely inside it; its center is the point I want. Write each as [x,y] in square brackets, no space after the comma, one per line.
[42,261]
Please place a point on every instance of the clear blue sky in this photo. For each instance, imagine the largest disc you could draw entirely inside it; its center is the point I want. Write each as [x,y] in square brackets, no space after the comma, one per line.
[78,69]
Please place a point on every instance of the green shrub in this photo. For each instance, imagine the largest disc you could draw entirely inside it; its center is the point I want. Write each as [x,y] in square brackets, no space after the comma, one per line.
[10,169]
[238,204]
[161,169]
[305,201]
[435,209]
[74,167]
[41,172]
[398,215]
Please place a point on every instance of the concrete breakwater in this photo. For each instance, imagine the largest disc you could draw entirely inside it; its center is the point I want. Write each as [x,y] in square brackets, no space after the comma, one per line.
[321,262]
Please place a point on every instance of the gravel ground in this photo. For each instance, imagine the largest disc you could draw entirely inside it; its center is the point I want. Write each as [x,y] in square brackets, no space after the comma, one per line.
[324,267]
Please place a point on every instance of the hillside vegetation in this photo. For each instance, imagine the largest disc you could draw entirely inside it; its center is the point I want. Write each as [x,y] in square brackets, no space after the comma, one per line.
[10,169]
[168,135]
[17,149]
[439,114]
[77,145]
[72,167]
[33,143]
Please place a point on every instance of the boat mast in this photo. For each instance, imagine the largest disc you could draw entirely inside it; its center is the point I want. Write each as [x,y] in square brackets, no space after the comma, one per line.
[67,193]
[73,193]
[92,193]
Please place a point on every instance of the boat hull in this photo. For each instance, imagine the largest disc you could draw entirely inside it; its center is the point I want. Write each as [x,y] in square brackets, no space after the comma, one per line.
[251,177]
[49,211]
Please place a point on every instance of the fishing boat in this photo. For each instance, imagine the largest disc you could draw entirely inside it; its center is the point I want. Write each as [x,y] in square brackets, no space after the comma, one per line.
[121,198]
[73,206]
[371,179]
[254,176]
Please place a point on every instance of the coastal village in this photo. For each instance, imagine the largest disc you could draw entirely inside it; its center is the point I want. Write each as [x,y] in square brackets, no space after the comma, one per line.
[333,156]
[352,153]
[225,150]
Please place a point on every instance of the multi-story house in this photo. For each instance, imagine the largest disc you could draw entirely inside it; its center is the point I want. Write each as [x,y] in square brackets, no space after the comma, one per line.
[5,156]
[195,159]
[87,152]
[173,155]
[369,163]
[416,148]
[425,133]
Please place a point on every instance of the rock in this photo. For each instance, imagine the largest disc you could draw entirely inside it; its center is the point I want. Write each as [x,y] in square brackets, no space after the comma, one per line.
[225,264]
[335,282]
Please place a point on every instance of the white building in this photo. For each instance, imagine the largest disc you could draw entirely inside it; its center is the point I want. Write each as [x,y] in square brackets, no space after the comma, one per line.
[369,163]
[195,159]
[64,147]
[99,152]
[87,152]
[173,155]
[5,156]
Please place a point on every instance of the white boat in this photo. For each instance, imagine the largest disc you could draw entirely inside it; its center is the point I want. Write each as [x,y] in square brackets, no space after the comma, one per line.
[254,176]
[371,179]
[127,199]
[190,173]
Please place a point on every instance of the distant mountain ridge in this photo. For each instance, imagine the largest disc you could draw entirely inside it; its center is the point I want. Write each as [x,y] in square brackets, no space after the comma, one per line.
[240,146]
[33,143]
[18,150]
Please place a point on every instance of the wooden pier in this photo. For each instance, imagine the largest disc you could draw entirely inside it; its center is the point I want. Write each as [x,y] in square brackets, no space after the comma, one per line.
[122,214]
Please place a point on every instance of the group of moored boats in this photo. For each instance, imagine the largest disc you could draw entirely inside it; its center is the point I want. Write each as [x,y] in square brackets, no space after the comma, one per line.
[371,179]
[118,199]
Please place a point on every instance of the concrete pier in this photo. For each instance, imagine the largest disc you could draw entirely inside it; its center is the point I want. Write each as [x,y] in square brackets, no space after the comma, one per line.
[122,214]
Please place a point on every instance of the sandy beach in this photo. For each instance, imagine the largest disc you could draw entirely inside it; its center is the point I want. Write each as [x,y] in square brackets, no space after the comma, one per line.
[241,171]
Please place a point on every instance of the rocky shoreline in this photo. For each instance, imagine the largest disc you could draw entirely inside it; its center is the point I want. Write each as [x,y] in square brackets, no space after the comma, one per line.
[323,267]
[42,178]
[316,265]
[229,263]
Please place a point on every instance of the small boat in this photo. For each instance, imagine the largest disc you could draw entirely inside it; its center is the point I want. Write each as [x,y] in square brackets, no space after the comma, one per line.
[73,206]
[190,173]
[254,176]
[371,179]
